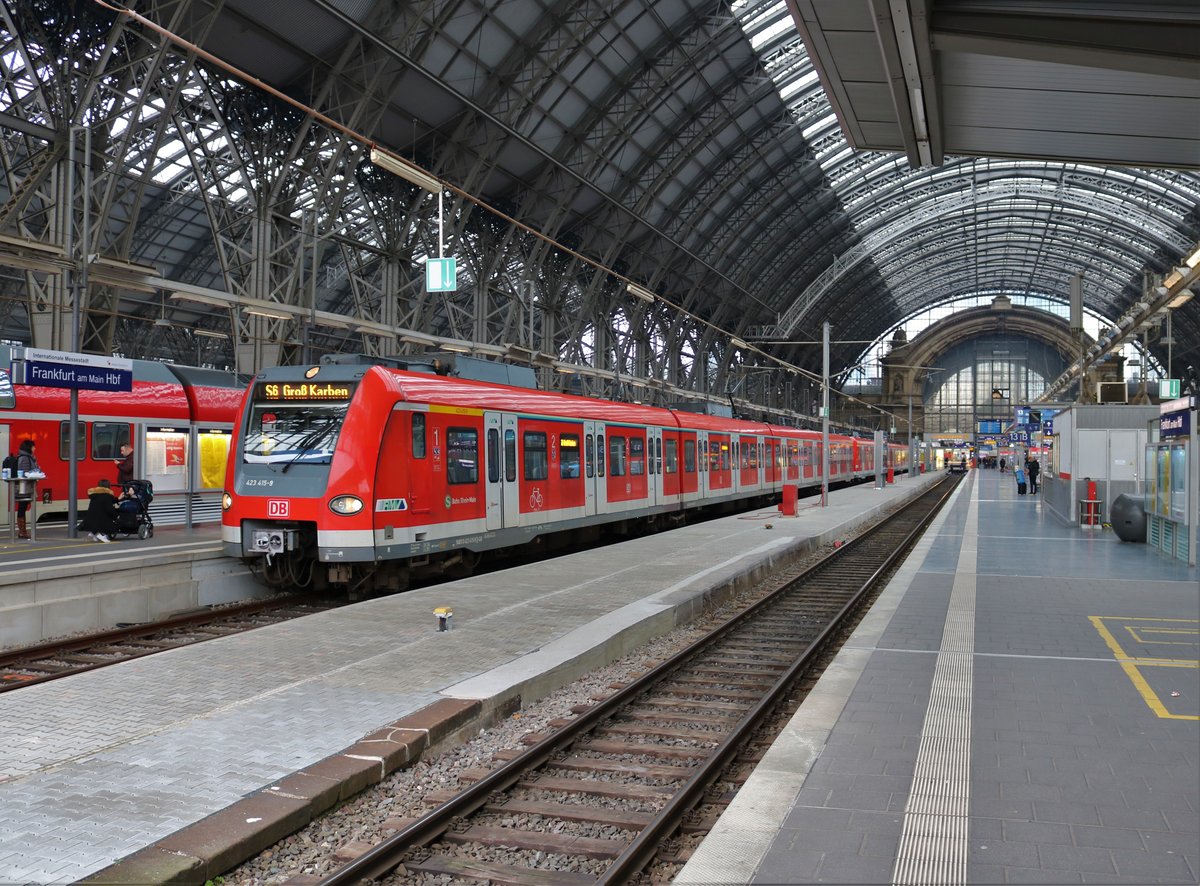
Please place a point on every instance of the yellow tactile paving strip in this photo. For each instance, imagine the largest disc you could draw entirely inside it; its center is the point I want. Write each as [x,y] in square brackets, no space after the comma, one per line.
[1156,643]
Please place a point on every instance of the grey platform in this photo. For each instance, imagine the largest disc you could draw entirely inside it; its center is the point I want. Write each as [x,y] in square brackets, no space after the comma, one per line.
[121,762]
[55,585]
[1020,706]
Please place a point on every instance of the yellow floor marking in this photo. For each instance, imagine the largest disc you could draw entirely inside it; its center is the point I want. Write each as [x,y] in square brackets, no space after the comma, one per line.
[1130,664]
[1138,635]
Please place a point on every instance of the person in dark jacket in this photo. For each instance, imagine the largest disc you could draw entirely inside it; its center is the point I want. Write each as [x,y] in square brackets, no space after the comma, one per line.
[26,465]
[125,465]
[1033,469]
[100,521]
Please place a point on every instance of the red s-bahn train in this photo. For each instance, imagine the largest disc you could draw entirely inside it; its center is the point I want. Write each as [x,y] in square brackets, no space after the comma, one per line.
[365,476]
[179,420]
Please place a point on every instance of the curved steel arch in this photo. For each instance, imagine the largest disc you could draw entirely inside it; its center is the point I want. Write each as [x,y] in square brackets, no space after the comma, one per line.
[926,214]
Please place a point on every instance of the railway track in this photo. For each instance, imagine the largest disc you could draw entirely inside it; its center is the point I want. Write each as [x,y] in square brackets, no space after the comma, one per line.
[30,665]
[594,801]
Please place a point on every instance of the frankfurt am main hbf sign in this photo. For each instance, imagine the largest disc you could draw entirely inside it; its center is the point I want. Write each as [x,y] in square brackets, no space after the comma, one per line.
[87,372]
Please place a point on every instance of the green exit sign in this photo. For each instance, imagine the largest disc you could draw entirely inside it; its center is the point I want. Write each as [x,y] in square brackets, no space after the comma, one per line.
[1168,389]
[441,275]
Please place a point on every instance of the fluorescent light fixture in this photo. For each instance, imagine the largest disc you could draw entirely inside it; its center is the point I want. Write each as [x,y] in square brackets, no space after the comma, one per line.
[208,333]
[456,347]
[1181,298]
[199,298]
[269,313]
[164,322]
[640,292]
[737,342]
[1194,259]
[406,170]
[98,262]
[565,370]
[333,321]
[1176,275]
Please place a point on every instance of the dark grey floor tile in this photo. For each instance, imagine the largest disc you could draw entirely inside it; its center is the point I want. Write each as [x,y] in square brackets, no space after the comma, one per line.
[1174,801]
[817,840]
[986,875]
[1124,817]
[1037,832]
[1068,813]
[880,845]
[781,866]
[1021,810]
[809,817]
[1028,792]
[1182,822]
[888,823]
[1041,876]
[1162,841]
[841,868]
[1076,858]
[1151,865]
[1111,838]
[997,852]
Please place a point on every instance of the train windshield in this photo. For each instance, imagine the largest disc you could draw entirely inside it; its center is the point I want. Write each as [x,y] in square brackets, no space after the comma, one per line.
[295,424]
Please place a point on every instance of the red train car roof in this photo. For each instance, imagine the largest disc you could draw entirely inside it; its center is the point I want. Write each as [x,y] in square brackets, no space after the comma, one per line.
[419,387]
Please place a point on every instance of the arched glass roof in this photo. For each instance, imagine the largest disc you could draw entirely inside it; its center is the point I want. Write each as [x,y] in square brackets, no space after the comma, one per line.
[685,146]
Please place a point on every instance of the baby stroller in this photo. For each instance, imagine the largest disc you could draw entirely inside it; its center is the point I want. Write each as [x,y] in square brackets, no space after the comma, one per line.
[133,509]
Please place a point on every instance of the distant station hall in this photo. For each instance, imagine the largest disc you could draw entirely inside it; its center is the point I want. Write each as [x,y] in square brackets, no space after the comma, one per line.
[411,361]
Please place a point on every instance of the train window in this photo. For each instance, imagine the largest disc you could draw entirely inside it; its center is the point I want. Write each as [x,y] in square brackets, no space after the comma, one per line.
[599,455]
[462,455]
[658,460]
[64,440]
[689,456]
[616,456]
[590,455]
[747,456]
[671,462]
[510,455]
[536,465]
[493,455]
[568,456]
[107,439]
[637,456]
[650,465]
[418,436]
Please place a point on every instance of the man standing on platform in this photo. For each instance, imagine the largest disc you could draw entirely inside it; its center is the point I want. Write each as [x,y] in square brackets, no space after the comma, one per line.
[1033,469]
[125,465]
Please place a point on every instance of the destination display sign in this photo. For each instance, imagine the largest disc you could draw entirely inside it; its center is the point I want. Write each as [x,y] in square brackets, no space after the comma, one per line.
[60,369]
[277,391]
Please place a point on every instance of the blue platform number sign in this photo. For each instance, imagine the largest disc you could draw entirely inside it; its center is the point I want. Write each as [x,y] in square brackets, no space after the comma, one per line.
[441,275]
[85,372]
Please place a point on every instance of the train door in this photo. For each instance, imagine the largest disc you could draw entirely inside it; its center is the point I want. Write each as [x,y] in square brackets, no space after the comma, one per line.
[4,453]
[501,471]
[592,485]
[702,464]
[654,466]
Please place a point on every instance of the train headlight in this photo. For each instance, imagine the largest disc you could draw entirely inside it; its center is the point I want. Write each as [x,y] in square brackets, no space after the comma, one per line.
[226,501]
[346,504]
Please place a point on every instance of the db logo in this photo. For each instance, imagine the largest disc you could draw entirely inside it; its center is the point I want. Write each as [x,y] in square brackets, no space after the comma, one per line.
[277,507]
